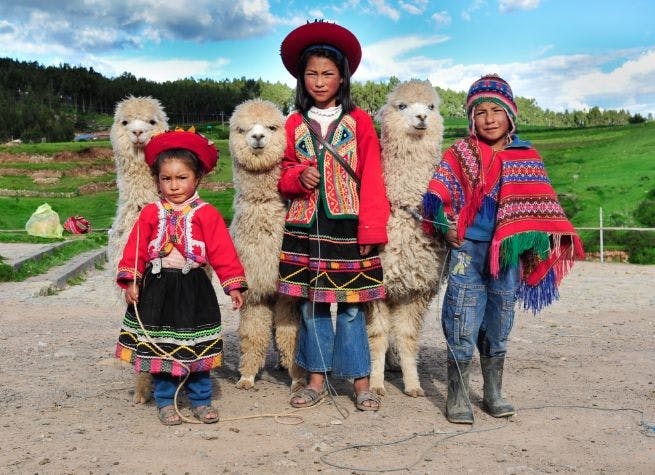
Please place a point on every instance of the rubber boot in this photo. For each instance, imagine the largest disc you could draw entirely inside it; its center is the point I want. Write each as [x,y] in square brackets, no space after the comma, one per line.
[493,402]
[458,406]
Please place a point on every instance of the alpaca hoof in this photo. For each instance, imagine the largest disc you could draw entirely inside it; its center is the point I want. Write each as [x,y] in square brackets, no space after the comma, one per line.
[140,398]
[246,382]
[379,390]
[415,392]
[142,389]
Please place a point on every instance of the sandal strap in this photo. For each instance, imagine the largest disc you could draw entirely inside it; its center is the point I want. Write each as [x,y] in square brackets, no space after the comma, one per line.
[308,395]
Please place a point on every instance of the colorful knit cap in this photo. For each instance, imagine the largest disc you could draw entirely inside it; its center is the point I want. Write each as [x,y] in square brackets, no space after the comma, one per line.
[491,88]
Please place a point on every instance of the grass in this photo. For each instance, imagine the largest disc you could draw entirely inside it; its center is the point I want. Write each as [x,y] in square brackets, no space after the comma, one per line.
[50,148]
[57,257]
[608,167]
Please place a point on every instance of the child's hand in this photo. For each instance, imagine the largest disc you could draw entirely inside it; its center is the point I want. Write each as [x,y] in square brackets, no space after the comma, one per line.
[237,299]
[132,293]
[365,249]
[310,177]
[451,238]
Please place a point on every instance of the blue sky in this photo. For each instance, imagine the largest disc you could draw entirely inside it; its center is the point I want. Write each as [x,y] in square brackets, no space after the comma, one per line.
[566,54]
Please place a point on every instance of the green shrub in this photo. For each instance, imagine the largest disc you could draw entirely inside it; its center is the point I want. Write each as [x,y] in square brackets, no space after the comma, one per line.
[569,202]
[645,212]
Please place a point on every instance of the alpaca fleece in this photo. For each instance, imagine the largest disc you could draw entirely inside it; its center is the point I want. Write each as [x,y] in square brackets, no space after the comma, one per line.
[136,120]
[411,136]
[257,141]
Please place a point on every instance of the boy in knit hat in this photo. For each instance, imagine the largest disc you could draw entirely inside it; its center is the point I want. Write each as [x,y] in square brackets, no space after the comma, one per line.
[491,199]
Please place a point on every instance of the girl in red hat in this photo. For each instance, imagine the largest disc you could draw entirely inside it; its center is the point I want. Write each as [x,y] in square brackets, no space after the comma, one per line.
[338,212]
[161,272]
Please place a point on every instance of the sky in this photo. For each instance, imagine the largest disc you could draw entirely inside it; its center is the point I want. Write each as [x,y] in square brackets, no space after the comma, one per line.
[566,54]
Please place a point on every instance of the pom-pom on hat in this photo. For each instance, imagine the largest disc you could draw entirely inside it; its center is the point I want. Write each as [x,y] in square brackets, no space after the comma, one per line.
[491,88]
[319,33]
[204,149]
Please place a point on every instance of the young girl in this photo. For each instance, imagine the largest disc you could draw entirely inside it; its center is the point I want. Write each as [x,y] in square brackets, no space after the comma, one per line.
[491,198]
[161,272]
[333,224]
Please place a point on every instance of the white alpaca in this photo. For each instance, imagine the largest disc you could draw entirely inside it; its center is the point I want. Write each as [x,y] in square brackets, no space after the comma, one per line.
[411,135]
[136,120]
[257,142]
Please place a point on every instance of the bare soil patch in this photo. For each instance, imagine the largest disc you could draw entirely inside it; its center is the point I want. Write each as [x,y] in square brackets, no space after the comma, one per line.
[579,374]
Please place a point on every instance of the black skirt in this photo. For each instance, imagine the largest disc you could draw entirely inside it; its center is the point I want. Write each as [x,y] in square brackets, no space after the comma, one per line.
[182,320]
[322,262]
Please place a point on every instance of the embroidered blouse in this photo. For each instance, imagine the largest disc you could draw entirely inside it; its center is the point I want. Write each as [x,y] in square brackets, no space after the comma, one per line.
[355,139]
[197,231]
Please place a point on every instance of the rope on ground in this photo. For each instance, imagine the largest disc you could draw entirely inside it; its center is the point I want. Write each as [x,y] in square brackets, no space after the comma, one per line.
[648,429]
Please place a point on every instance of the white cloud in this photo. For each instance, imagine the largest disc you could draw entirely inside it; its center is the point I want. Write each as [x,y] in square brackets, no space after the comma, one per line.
[416,7]
[161,70]
[93,25]
[441,18]
[381,7]
[387,58]
[510,5]
[472,8]
[619,79]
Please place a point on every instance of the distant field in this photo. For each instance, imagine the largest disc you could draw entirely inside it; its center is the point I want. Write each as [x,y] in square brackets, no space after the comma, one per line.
[612,167]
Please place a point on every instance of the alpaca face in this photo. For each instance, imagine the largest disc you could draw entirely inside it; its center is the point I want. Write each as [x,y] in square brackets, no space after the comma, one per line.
[415,114]
[412,109]
[137,119]
[257,136]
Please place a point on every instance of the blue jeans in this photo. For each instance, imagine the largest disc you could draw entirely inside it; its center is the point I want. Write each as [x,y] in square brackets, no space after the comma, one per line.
[321,349]
[477,309]
[198,388]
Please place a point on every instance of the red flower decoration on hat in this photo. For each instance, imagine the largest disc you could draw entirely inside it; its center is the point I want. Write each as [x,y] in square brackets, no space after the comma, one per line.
[204,149]
[319,33]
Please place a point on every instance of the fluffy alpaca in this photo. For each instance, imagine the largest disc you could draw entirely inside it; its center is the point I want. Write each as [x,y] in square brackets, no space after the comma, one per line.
[411,135]
[257,142]
[136,120]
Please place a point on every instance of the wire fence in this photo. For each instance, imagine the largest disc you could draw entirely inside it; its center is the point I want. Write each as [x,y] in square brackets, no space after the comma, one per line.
[602,229]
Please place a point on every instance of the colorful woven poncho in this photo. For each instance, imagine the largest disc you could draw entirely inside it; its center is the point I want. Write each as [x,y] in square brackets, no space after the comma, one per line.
[531,227]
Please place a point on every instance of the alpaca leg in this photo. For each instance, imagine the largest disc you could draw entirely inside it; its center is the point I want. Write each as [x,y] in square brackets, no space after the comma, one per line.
[254,331]
[377,326]
[287,321]
[142,388]
[406,324]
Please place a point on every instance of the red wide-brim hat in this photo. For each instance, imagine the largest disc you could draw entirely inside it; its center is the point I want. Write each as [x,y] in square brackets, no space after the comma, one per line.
[204,149]
[319,33]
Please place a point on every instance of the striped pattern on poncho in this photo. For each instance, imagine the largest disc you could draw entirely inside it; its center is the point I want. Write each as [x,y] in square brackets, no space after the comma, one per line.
[531,227]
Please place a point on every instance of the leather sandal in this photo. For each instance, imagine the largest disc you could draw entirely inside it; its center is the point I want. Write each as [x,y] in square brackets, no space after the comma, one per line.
[168,416]
[367,396]
[203,414]
[310,397]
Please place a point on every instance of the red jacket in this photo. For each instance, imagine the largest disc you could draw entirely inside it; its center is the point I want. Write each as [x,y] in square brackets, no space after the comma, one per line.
[355,139]
[198,232]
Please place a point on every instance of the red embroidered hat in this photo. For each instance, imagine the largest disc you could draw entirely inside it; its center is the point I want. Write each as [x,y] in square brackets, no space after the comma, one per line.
[319,33]
[204,149]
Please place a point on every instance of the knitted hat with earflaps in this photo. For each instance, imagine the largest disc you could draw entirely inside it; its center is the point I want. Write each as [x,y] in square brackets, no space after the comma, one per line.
[491,88]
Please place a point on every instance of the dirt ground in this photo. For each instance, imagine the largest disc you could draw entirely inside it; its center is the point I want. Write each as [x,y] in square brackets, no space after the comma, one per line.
[582,375]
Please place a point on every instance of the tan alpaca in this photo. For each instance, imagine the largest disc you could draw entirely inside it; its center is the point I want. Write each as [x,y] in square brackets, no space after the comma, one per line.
[136,120]
[257,142]
[411,135]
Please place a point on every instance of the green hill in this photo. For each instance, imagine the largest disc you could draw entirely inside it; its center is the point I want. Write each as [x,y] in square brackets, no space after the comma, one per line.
[608,167]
